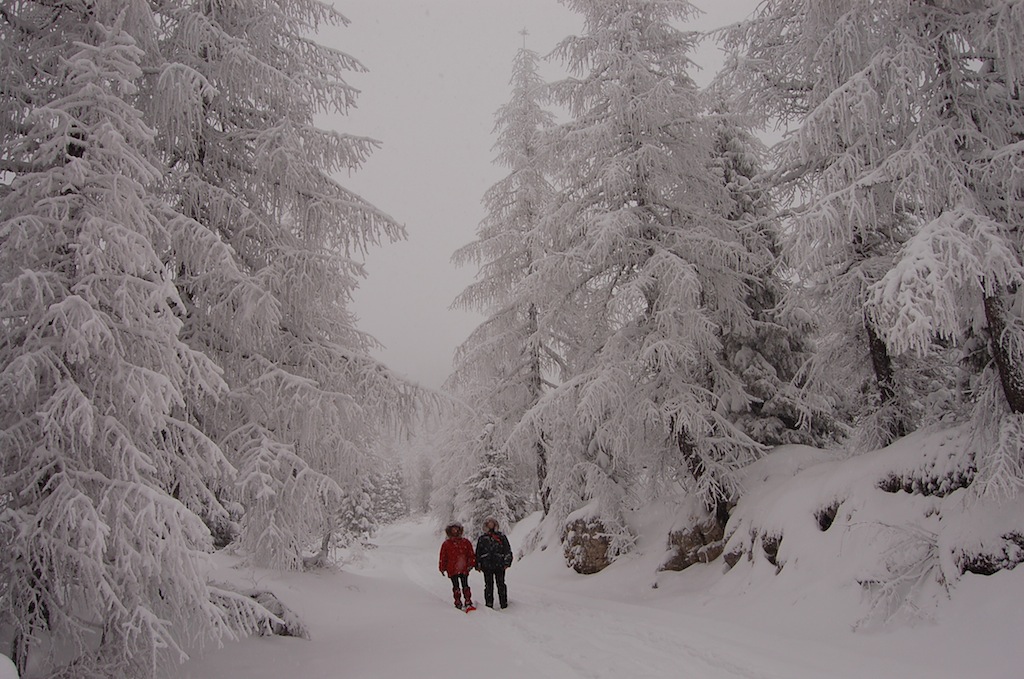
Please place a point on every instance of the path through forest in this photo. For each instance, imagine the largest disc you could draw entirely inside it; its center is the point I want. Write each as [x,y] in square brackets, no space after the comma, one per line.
[388,613]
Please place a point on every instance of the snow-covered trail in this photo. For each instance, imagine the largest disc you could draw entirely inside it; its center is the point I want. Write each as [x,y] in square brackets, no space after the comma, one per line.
[550,634]
[571,636]
[389,614]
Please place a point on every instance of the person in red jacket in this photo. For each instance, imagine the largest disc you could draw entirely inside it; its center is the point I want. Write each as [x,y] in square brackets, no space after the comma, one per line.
[456,561]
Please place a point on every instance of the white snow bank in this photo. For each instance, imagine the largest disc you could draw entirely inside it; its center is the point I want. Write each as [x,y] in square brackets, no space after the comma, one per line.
[7,668]
[385,611]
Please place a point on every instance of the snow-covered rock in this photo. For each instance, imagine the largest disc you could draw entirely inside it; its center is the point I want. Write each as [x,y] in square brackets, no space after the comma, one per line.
[7,668]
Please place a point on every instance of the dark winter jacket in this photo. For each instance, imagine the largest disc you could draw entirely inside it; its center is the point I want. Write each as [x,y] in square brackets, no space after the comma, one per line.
[493,552]
[457,556]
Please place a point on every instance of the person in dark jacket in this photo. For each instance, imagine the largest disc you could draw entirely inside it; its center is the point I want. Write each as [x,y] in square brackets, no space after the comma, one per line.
[456,560]
[493,556]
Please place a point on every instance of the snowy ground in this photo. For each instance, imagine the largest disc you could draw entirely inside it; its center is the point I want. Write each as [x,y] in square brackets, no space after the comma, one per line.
[387,613]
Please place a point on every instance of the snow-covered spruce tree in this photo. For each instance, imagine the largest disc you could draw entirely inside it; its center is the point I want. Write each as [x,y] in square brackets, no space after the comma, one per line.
[858,82]
[389,503]
[272,239]
[104,469]
[649,269]
[421,484]
[773,352]
[417,472]
[491,491]
[960,276]
[501,367]
[445,463]
[356,518]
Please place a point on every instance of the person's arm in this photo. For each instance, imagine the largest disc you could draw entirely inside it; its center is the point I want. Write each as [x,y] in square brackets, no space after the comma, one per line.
[508,551]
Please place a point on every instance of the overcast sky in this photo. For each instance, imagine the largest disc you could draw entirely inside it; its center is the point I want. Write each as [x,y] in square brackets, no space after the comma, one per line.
[438,71]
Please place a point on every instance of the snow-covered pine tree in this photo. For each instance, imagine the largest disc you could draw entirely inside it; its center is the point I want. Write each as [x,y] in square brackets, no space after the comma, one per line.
[104,470]
[845,237]
[502,366]
[491,491]
[960,276]
[418,473]
[646,267]
[356,520]
[448,460]
[905,151]
[272,240]
[389,503]
[773,352]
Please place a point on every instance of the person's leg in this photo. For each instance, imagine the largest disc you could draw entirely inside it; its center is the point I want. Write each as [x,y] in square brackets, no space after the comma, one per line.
[499,579]
[467,595]
[489,588]
[456,591]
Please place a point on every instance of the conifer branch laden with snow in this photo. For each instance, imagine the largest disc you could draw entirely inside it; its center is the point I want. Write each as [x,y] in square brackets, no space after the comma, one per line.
[492,491]
[105,474]
[503,367]
[175,275]
[904,161]
[651,252]
[253,177]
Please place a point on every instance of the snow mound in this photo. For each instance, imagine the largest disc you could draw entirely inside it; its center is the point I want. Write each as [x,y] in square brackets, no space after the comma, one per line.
[901,525]
[7,668]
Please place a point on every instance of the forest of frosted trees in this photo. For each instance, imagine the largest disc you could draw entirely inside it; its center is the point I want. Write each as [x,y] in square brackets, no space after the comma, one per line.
[178,357]
[665,299]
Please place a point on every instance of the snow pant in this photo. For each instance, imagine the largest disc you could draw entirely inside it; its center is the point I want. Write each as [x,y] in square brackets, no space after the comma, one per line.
[460,588]
[492,578]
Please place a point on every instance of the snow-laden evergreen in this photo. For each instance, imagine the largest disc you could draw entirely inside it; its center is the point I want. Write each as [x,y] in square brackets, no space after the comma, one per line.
[645,271]
[492,491]
[845,242]
[389,496]
[176,268]
[902,163]
[105,472]
[234,101]
[774,352]
[503,366]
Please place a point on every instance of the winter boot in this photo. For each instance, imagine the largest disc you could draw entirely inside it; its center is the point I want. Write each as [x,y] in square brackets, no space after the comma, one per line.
[458,598]
[468,595]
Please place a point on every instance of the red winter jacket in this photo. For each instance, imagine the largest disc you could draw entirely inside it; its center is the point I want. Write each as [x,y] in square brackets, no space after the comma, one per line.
[457,557]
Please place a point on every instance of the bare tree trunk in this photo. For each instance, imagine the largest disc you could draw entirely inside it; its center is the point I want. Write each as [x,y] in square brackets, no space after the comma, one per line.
[1011,372]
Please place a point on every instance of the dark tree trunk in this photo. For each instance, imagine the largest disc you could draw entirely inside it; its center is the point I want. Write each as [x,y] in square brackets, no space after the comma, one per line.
[19,653]
[536,385]
[543,489]
[719,506]
[885,378]
[881,362]
[1011,372]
